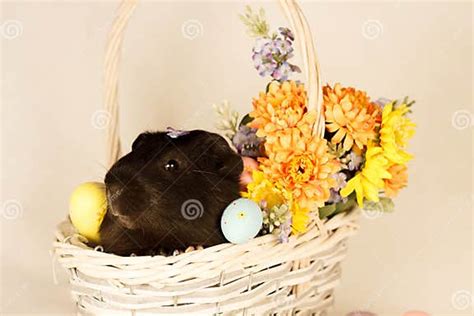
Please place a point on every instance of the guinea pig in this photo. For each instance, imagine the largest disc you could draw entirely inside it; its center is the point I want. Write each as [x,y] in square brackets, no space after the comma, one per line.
[169,193]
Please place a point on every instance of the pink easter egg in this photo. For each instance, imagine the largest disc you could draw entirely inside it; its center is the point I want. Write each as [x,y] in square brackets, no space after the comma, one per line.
[250,164]
[416,313]
[246,176]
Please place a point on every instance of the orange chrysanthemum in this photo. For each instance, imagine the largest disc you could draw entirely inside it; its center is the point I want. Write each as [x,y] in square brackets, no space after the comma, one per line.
[283,107]
[296,160]
[302,165]
[350,115]
[398,181]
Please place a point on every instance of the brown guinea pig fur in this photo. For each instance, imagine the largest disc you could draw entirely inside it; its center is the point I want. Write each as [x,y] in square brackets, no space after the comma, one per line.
[169,193]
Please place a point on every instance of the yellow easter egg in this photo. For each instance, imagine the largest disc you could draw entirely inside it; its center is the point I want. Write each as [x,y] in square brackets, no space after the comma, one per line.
[87,208]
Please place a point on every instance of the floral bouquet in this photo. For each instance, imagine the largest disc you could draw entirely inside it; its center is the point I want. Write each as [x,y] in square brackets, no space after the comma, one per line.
[293,174]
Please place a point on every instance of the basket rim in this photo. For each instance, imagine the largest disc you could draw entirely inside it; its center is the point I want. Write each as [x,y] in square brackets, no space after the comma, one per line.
[67,237]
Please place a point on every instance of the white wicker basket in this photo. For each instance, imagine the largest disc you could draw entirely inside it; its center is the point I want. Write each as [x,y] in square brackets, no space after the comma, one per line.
[261,277]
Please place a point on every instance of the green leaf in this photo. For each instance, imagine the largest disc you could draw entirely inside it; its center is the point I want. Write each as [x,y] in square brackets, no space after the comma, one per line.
[256,24]
[347,206]
[326,210]
[334,209]
[245,120]
[384,204]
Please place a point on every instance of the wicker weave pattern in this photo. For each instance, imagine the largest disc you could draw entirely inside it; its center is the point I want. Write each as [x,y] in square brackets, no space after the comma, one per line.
[261,277]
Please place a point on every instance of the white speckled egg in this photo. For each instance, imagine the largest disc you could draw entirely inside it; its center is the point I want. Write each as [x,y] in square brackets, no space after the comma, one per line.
[241,221]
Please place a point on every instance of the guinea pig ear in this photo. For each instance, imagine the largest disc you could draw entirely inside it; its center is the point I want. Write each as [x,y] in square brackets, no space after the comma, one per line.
[221,157]
[140,140]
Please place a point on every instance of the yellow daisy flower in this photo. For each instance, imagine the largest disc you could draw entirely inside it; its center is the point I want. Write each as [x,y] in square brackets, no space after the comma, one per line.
[299,219]
[395,131]
[262,189]
[370,180]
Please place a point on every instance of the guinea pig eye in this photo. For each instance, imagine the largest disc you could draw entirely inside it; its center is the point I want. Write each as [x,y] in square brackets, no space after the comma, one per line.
[171,165]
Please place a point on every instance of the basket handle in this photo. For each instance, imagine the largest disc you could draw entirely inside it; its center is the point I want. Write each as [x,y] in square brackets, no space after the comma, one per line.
[299,26]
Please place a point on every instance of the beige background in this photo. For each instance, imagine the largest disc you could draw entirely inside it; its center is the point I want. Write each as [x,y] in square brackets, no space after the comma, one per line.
[419,257]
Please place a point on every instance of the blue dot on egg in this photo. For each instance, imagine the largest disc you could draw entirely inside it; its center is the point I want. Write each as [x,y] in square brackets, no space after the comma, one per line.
[241,221]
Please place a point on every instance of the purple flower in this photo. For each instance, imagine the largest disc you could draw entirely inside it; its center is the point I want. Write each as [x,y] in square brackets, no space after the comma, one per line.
[382,102]
[282,72]
[285,230]
[335,197]
[175,133]
[340,178]
[247,142]
[270,55]
[282,47]
[286,32]
[263,45]
[354,161]
[264,65]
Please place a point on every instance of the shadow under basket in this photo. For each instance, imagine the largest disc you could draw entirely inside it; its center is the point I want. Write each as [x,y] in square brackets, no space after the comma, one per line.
[261,277]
